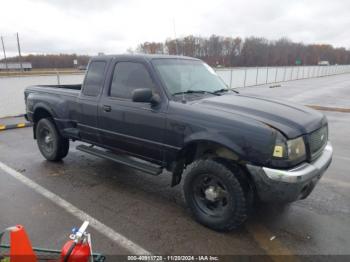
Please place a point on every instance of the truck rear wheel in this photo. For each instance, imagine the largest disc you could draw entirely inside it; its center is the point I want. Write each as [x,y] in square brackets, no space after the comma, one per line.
[214,195]
[51,144]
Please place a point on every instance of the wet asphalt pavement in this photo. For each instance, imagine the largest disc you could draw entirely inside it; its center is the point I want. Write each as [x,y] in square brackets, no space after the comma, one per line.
[146,210]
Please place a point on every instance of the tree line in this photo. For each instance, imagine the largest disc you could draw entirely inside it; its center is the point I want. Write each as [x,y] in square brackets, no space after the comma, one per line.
[253,51]
[217,50]
[52,61]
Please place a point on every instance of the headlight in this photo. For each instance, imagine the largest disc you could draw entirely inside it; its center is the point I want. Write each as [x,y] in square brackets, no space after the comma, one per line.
[289,149]
[296,148]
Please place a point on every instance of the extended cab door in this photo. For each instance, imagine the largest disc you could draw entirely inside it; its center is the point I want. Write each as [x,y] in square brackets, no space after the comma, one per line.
[88,101]
[134,127]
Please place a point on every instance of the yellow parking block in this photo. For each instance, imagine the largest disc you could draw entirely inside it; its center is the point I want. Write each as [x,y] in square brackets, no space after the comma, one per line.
[14,126]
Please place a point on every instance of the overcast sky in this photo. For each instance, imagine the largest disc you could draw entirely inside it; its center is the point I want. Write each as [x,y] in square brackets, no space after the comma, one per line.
[113,26]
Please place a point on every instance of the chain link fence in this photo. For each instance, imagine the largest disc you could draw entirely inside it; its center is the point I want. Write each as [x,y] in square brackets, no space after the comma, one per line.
[253,76]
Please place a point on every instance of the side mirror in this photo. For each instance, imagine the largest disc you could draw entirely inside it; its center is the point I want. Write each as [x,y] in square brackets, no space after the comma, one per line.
[145,95]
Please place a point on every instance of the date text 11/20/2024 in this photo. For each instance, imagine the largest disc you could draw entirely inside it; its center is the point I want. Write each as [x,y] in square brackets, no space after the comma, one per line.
[173,258]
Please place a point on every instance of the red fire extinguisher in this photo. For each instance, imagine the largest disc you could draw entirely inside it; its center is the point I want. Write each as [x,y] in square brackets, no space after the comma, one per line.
[78,248]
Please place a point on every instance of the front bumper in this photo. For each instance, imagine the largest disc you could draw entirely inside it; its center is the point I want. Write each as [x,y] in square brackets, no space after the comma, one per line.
[275,185]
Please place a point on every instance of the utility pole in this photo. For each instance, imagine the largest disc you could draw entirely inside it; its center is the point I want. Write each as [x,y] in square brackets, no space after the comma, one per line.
[3,49]
[19,53]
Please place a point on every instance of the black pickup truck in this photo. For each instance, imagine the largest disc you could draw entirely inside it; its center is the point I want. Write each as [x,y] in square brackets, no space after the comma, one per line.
[173,112]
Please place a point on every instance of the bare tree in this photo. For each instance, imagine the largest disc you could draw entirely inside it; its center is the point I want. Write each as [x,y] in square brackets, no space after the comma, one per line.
[252,51]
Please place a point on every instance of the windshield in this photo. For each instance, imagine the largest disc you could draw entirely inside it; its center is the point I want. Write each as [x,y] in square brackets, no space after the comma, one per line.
[183,75]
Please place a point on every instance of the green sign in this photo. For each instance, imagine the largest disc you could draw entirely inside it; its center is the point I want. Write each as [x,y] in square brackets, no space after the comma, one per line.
[298,61]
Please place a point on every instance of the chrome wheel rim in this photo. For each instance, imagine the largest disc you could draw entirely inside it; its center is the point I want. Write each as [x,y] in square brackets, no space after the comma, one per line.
[46,140]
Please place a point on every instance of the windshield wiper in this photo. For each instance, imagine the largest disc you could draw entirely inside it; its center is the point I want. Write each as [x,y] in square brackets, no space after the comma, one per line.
[195,92]
[225,90]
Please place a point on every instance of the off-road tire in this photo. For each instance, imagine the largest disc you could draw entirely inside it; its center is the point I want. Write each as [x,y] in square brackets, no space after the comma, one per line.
[239,200]
[59,146]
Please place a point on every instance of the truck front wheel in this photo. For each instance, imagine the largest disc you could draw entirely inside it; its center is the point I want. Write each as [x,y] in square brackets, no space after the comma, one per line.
[214,195]
[51,144]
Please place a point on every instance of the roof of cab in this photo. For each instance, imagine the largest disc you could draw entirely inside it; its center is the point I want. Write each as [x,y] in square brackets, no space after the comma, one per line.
[147,57]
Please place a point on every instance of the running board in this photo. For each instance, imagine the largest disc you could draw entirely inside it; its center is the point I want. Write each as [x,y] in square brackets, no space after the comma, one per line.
[72,133]
[122,159]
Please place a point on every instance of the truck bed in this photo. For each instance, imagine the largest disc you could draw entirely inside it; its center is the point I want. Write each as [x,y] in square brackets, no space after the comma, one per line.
[74,87]
[66,90]
[63,98]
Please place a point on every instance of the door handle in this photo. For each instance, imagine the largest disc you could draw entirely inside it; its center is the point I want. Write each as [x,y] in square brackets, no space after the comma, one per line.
[107,108]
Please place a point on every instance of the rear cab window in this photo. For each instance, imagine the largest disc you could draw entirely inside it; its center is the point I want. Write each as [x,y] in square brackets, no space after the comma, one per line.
[94,78]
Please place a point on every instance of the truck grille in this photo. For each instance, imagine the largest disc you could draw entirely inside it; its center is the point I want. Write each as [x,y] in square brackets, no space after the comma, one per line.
[318,140]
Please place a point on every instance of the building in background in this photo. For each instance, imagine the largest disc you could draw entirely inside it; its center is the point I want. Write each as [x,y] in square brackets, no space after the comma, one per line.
[324,63]
[16,66]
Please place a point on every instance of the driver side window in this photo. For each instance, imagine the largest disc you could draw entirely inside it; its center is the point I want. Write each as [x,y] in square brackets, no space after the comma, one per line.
[127,77]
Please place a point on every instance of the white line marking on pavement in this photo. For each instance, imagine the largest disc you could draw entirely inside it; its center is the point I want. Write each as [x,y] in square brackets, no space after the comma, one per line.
[76,212]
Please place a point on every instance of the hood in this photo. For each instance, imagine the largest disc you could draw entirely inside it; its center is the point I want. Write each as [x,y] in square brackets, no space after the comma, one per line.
[291,119]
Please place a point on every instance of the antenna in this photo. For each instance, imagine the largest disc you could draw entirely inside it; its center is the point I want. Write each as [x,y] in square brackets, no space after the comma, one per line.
[177,51]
